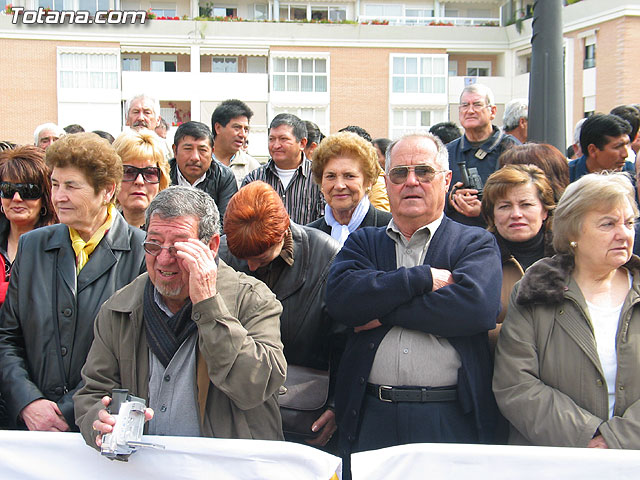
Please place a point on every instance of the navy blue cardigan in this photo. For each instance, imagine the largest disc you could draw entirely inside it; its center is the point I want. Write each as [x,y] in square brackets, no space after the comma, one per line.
[365,284]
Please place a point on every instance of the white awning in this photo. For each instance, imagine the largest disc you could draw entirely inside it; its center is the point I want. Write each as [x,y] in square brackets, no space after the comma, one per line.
[154,49]
[235,51]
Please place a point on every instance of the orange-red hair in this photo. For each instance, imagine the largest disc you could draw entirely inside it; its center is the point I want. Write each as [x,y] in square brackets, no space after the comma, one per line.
[255,220]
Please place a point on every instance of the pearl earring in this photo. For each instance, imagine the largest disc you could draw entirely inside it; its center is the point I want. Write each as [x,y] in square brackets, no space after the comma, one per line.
[573,244]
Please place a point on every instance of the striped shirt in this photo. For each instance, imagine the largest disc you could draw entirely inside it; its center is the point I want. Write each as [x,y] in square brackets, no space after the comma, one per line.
[302,197]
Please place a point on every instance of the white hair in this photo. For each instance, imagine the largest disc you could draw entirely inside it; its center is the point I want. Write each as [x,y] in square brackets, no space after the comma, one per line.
[480,89]
[154,101]
[576,131]
[442,155]
[513,111]
[59,131]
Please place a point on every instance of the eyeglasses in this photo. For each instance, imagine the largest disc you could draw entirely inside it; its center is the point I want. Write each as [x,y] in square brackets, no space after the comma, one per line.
[154,249]
[424,173]
[149,174]
[27,191]
[474,106]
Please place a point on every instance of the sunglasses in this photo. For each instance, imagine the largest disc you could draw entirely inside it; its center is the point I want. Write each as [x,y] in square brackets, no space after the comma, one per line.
[149,174]
[27,191]
[424,173]
[154,249]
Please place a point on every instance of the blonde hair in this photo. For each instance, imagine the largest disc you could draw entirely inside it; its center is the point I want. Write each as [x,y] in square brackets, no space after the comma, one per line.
[145,145]
[346,144]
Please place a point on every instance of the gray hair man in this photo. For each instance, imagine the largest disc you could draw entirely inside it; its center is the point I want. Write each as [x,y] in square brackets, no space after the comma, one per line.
[194,338]
[515,121]
[418,357]
[477,151]
[143,111]
[47,133]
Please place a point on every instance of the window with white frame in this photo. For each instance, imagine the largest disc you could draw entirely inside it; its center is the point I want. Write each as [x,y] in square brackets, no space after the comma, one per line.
[419,73]
[333,13]
[299,75]
[453,68]
[589,52]
[382,11]
[85,70]
[317,115]
[256,64]
[164,63]
[523,63]
[169,114]
[92,6]
[478,68]
[131,63]
[411,120]
[418,15]
[56,4]
[164,9]
[293,12]
[221,11]
[224,64]
[261,11]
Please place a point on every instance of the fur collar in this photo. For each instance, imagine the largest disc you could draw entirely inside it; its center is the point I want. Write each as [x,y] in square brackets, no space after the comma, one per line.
[546,280]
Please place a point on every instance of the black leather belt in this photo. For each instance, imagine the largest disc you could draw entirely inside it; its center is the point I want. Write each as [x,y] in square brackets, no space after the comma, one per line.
[412,394]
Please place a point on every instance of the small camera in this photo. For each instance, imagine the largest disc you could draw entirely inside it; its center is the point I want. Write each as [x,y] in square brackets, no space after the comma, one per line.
[470,178]
[126,436]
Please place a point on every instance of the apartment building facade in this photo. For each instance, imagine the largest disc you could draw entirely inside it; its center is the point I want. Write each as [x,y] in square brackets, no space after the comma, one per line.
[389,67]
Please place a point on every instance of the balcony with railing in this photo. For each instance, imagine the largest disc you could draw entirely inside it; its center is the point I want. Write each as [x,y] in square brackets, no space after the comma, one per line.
[430,21]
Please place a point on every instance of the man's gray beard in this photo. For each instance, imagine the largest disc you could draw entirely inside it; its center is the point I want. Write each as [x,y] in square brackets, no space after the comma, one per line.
[167,292]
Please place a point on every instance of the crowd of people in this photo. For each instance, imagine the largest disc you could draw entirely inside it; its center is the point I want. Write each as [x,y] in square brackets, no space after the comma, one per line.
[457,285]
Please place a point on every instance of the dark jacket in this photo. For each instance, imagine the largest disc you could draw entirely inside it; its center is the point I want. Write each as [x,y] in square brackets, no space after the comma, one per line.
[304,325]
[366,284]
[46,324]
[219,182]
[483,158]
[373,218]
[578,168]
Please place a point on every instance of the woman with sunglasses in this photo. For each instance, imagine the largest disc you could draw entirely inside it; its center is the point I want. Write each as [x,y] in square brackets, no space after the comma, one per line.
[346,166]
[25,193]
[145,173]
[61,276]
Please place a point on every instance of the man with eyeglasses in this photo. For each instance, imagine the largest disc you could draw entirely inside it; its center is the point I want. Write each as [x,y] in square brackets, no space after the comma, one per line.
[197,340]
[420,295]
[479,147]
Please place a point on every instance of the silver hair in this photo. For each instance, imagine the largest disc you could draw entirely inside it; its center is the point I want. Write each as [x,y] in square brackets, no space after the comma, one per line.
[442,157]
[480,89]
[180,201]
[153,100]
[515,110]
[59,131]
[592,192]
[576,131]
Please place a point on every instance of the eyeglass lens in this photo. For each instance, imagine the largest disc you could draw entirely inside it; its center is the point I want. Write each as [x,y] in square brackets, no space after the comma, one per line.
[149,174]
[424,173]
[154,249]
[27,191]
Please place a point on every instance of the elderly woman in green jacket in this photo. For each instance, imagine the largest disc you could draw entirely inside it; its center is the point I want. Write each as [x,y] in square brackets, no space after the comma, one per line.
[568,356]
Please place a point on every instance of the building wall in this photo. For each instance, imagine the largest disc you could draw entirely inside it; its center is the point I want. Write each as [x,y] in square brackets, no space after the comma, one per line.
[618,68]
[29,85]
[359,86]
[184,63]
[463,58]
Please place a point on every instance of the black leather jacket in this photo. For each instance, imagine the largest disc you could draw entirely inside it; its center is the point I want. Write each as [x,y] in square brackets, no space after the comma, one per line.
[46,322]
[305,327]
[220,183]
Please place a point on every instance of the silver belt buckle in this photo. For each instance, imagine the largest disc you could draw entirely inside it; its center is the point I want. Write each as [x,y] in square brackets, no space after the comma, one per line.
[382,388]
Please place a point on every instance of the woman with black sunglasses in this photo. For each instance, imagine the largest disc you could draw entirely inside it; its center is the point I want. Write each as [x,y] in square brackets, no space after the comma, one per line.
[145,173]
[25,202]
